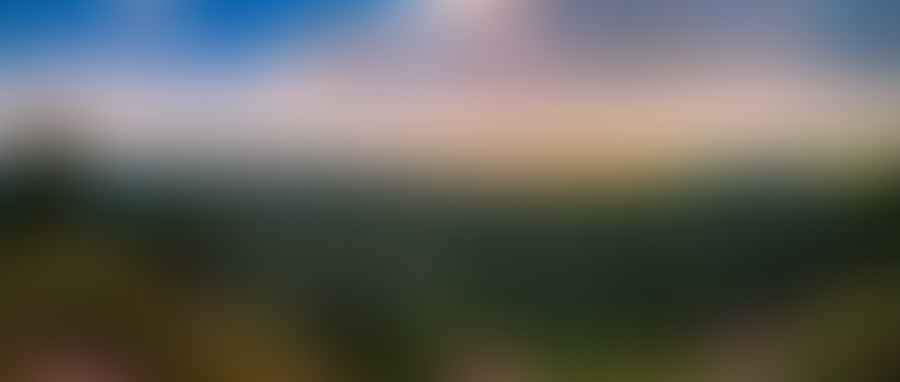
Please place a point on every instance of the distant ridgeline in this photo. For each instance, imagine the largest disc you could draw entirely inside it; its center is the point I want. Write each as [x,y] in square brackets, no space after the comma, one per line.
[41,173]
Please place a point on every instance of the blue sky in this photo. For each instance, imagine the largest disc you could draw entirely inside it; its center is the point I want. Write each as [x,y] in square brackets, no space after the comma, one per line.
[178,30]
[226,34]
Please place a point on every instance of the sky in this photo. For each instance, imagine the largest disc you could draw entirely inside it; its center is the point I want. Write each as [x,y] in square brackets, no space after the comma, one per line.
[223,33]
[209,33]
[522,82]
